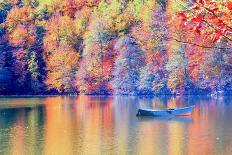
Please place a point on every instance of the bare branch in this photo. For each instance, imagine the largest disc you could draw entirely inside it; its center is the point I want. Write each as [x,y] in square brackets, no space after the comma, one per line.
[195,44]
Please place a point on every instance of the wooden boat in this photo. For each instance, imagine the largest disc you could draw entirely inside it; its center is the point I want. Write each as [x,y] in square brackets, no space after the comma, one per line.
[166,112]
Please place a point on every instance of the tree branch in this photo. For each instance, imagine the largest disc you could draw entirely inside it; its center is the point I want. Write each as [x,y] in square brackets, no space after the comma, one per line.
[195,44]
[205,21]
[208,10]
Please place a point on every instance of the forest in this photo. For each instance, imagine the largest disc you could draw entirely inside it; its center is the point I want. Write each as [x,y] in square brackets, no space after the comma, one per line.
[121,47]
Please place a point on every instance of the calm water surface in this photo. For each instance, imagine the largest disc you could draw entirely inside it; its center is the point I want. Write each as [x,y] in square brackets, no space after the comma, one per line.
[107,125]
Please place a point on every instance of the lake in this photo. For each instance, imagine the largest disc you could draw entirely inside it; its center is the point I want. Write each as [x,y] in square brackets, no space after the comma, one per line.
[59,125]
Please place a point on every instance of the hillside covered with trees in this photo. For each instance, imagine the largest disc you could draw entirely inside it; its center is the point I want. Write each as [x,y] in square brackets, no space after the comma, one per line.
[127,47]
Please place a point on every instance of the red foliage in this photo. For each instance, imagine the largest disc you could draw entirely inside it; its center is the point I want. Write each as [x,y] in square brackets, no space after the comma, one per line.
[197,18]
[207,15]
[201,2]
[182,16]
[229,5]
[217,36]
[70,7]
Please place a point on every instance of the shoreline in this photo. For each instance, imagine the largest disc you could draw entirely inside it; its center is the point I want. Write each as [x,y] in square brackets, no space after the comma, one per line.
[107,95]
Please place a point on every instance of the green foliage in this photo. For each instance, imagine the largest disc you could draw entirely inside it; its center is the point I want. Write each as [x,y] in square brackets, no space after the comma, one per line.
[1,29]
[99,32]
[111,10]
[33,3]
[33,65]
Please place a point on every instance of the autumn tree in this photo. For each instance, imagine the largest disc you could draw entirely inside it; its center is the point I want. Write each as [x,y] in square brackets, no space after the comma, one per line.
[149,34]
[115,13]
[70,7]
[61,54]
[217,71]
[21,31]
[98,57]
[176,67]
[63,65]
[127,66]
[209,22]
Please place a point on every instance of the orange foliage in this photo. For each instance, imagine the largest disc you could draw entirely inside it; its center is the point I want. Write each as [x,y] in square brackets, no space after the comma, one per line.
[22,36]
[96,69]
[60,31]
[70,7]
[62,66]
[82,18]
[21,27]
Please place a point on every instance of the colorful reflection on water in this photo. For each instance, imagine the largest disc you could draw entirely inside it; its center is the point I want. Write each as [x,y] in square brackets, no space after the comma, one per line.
[107,125]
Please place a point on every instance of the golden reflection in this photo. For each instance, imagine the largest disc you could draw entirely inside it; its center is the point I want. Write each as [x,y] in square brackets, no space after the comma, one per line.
[58,127]
[91,127]
[148,143]
[31,131]
[199,130]
[121,128]
[175,134]
[18,136]
[176,102]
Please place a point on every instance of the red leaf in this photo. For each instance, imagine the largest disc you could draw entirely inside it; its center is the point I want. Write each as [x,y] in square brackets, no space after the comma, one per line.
[209,2]
[221,25]
[196,30]
[201,2]
[191,27]
[220,21]
[196,7]
[182,16]
[217,35]
[213,10]
[198,18]
[182,25]
[214,17]
[229,5]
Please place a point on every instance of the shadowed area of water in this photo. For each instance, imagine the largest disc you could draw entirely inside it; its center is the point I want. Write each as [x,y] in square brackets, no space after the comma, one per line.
[108,125]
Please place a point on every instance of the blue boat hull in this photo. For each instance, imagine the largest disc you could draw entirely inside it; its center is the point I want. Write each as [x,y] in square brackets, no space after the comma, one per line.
[166,112]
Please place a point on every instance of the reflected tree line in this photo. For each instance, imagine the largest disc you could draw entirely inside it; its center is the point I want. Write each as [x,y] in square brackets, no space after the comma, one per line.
[106,124]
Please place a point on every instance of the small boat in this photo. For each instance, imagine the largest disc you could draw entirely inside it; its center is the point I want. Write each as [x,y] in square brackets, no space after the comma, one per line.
[166,112]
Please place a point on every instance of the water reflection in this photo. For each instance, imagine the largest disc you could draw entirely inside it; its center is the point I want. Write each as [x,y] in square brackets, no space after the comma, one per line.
[107,125]
[183,119]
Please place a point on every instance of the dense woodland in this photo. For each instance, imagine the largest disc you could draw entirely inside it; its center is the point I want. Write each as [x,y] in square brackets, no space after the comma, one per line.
[128,47]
